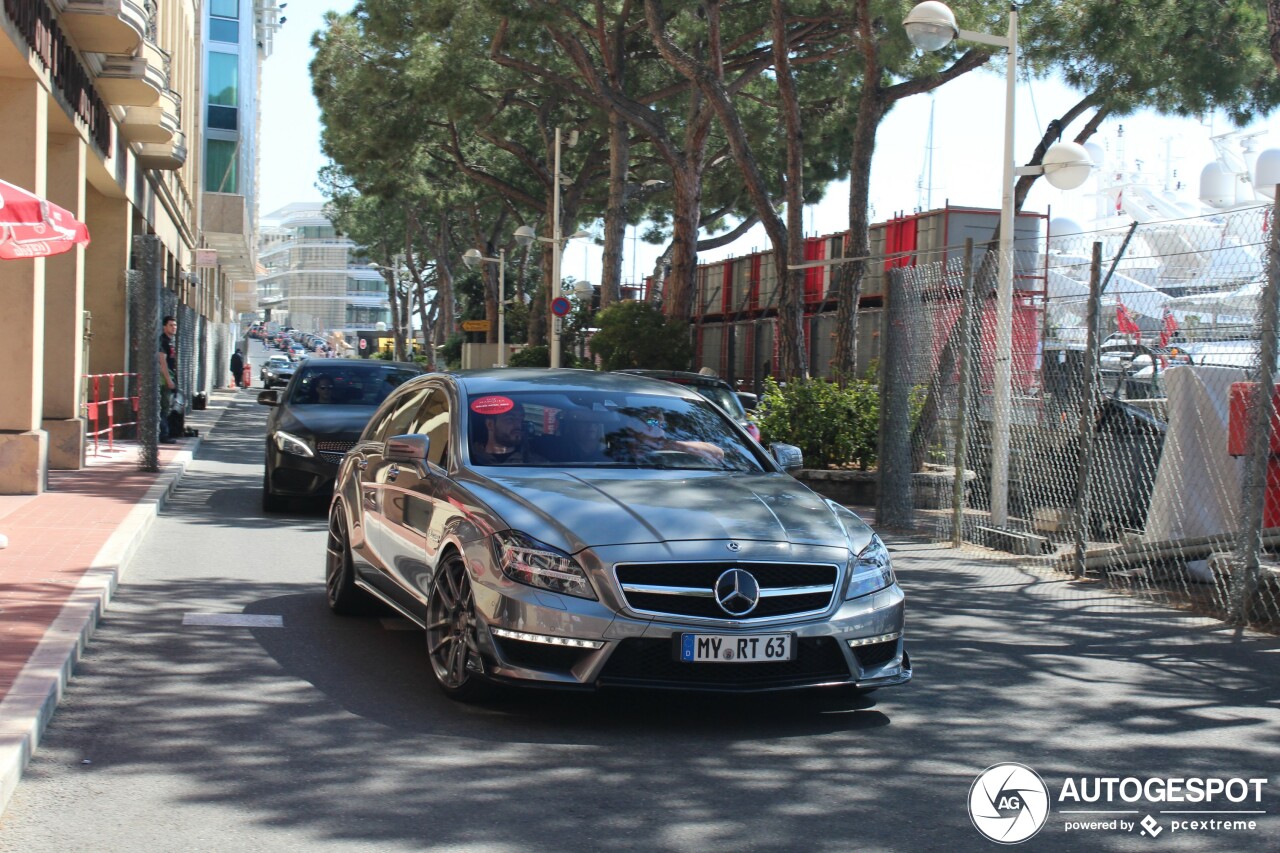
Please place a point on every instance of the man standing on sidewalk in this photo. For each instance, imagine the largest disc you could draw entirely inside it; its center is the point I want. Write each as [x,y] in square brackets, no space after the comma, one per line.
[167,359]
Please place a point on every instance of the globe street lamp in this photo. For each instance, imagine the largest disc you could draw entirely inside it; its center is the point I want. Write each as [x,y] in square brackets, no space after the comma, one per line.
[932,26]
[472,258]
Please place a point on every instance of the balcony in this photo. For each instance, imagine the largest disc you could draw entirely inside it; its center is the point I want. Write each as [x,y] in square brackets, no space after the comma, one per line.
[135,81]
[153,124]
[165,156]
[227,226]
[105,26]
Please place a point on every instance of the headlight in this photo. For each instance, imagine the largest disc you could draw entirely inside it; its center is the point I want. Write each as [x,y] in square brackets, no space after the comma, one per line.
[292,444]
[872,570]
[530,562]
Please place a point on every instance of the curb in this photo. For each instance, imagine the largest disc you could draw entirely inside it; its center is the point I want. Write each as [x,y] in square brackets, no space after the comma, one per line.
[29,705]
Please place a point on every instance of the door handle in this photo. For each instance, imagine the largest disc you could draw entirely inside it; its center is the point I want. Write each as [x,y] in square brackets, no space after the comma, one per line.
[362,464]
[393,471]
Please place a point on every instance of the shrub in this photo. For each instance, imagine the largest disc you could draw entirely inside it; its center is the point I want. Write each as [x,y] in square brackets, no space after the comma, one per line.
[830,425]
[635,334]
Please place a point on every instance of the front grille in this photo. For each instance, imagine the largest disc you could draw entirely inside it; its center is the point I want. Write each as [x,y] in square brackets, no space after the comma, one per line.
[876,654]
[696,582]
[654,663]
[333,451]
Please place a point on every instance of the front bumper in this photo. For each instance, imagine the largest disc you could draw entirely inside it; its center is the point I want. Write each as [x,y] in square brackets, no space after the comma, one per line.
[522,632]
[294,476]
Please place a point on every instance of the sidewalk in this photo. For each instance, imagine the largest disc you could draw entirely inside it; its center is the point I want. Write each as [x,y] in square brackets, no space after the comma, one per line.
[67,549]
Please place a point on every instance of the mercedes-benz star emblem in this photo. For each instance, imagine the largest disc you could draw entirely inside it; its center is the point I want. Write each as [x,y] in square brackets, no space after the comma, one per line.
[737,592]
[733,546]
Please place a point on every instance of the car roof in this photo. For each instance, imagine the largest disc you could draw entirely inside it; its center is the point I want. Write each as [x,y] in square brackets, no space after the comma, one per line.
[513,379]
[683,377]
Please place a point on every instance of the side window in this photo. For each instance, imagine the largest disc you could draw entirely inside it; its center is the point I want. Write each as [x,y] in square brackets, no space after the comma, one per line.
[433,421]
[399,416]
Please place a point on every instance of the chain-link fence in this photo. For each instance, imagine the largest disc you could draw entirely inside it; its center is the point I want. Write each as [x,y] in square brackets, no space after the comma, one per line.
[1130,452]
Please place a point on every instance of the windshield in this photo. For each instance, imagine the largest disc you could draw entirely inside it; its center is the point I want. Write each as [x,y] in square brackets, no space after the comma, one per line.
[603,429]
[346,385]
[724,398]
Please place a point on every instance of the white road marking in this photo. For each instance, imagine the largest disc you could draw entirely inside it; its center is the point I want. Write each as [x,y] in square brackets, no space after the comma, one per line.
[233,620]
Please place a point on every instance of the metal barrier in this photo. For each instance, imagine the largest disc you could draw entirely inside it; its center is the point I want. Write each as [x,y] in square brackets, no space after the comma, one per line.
[99,409]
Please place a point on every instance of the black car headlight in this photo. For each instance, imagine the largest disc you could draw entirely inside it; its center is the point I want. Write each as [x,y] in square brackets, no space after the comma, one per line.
[871,571]
[289,443]
[526,560]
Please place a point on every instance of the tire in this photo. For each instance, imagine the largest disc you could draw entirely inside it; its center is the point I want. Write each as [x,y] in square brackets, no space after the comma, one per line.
[344,597]
[452,648]
[271,502]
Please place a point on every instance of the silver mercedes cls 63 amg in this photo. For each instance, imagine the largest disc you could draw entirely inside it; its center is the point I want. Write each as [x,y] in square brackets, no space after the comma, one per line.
[567,528]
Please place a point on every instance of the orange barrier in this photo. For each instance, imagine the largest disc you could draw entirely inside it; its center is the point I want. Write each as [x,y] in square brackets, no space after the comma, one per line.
[100,412]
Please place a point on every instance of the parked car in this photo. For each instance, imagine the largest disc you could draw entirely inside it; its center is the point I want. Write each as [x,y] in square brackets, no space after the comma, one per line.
[317,418]
[578,529]
[713,388]
[276,370]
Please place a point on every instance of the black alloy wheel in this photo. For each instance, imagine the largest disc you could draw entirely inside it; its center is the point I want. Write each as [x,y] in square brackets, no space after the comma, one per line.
[345,598]
[451,634]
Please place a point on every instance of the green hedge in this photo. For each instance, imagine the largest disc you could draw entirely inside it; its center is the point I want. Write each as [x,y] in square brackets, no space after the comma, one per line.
[831,425]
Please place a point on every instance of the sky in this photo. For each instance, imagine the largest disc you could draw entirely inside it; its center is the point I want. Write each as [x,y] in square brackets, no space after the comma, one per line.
[967,117]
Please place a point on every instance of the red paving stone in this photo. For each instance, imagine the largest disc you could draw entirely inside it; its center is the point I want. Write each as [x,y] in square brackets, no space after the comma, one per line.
[53,539]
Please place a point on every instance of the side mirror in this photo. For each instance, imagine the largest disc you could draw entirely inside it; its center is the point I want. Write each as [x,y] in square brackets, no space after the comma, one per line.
[749,401]
[407,448]
[269,398]
[788,456]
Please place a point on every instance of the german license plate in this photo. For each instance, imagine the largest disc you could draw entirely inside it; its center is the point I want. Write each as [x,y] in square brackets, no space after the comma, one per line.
[736,648]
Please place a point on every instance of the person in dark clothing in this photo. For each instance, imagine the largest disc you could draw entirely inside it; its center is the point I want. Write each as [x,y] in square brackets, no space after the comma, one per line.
[167,362]
[237,368]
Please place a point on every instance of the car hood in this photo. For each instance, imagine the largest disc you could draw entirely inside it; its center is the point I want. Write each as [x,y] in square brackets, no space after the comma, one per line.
[584,508]
[338,422]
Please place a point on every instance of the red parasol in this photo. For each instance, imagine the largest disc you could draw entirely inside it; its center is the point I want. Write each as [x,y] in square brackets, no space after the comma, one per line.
[31,227]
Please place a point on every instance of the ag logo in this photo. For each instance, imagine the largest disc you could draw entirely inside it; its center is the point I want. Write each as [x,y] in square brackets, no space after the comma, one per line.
[1008,803]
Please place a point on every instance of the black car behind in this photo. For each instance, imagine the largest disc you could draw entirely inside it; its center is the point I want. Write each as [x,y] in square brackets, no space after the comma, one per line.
[317,418]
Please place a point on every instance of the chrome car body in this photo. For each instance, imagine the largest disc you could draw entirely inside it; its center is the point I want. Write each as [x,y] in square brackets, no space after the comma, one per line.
[608,566]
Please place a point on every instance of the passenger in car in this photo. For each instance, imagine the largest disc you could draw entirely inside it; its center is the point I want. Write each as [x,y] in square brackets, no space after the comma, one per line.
[647,433]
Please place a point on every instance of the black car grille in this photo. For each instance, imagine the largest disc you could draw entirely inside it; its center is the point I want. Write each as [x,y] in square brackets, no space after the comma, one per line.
[654,663]
[541,656]
[333,451]
[876,654]
[816,585]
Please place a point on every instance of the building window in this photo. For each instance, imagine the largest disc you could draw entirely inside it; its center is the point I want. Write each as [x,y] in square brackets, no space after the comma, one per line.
[225,8]
[220,166]
[224,80]
[220,29]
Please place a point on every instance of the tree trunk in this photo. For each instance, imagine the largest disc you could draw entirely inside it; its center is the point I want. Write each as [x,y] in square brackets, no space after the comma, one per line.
[849,276]
[682,279]
[795,361]
[1273,29]
[615,217]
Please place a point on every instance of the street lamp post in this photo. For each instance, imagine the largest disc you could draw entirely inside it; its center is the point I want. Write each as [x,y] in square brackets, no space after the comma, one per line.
[932,26]
[472,257]
[525,235]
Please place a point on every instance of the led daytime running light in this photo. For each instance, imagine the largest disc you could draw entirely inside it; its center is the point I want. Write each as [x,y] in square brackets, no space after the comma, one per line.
[546,640]
[871,641]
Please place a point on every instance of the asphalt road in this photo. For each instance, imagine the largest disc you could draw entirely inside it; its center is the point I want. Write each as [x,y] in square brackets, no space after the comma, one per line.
[327,734]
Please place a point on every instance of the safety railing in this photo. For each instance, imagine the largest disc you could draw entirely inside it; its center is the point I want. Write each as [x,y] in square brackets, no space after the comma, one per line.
[109,406]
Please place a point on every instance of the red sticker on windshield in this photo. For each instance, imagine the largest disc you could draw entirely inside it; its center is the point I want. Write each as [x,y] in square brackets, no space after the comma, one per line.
[492,405]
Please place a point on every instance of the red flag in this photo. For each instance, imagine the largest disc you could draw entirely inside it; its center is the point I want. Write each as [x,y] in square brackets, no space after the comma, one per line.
[1170,326]
[1125,323]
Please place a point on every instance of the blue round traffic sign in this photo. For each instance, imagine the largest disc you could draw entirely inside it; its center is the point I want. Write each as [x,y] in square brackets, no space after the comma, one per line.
[560,306]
